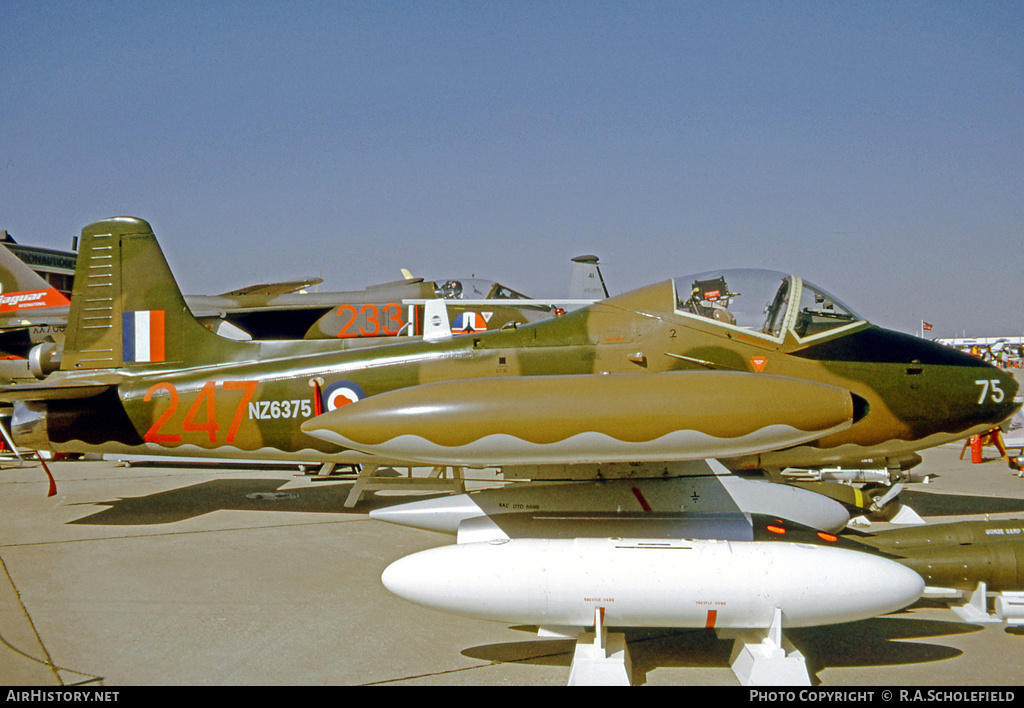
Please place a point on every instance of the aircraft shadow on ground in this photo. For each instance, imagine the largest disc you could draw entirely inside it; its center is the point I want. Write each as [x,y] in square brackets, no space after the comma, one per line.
[232,494]
[249,494]
[877,642]
[874,642]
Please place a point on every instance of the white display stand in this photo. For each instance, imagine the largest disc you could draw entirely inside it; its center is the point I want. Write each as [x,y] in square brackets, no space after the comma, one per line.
[763,657]
[601,658]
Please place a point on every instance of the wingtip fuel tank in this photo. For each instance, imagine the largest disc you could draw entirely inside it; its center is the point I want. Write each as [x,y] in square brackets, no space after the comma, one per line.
[584,418]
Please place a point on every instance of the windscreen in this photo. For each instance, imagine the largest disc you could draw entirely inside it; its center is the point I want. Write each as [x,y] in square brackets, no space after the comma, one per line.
[820,312]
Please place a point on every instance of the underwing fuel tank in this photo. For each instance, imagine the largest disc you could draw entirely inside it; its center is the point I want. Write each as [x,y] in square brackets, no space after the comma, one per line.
[585,418]
[654,583]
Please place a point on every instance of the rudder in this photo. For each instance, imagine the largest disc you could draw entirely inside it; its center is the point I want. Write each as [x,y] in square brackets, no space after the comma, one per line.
[586,282]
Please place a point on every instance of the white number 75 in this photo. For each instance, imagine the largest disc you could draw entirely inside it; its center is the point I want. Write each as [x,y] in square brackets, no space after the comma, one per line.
[990,385]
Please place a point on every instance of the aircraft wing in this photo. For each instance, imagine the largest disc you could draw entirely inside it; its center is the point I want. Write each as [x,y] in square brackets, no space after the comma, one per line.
[289,287]
[47,391]
[282,288]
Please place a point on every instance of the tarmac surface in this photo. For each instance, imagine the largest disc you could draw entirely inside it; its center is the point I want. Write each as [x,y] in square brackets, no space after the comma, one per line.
[202,575]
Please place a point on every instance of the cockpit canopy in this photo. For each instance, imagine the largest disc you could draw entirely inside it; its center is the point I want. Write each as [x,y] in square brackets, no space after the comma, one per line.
[475,289]
[762,302]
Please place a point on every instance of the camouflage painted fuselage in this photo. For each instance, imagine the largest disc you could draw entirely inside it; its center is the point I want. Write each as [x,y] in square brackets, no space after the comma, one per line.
[176,388]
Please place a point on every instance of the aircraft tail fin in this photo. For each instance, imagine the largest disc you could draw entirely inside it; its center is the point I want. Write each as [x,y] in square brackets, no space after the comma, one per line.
[435,320]
[127,309]
[22,289]
[587,282]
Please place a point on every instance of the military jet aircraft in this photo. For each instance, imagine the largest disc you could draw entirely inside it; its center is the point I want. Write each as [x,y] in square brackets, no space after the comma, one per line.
[756,369]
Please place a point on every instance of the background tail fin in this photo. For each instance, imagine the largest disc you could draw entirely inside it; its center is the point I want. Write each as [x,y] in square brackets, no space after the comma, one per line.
[22,289]
[126,307]
[586,282]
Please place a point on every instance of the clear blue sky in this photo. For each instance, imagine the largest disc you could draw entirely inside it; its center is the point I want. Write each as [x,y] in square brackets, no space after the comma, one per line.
[874,148]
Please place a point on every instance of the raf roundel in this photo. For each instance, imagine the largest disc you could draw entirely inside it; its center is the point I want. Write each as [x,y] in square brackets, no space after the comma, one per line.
[341,393]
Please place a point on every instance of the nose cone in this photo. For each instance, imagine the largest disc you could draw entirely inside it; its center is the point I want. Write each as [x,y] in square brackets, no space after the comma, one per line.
[413,578]
[1009,383]
[929,389]
[992,398]
[871,586]
[478,580]
[443,515]
[947,391]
